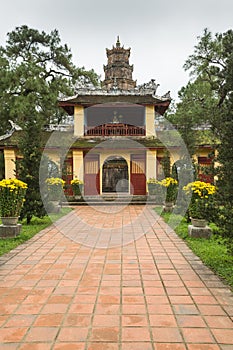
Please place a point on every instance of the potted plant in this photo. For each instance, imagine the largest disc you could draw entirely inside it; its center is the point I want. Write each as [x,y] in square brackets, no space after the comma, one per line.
[12,193]
[171,187]
[77,187]
[55,189]
[199,208]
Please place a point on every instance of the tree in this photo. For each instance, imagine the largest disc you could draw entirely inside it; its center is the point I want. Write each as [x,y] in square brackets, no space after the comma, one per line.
[35,70]
[193,112]
[213,59]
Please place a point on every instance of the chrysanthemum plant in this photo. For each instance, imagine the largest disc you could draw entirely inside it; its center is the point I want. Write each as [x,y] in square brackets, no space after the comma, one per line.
[202,194]
[12,193]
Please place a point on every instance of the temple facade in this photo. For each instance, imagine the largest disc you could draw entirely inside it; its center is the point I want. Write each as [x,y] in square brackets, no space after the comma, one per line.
[116,137]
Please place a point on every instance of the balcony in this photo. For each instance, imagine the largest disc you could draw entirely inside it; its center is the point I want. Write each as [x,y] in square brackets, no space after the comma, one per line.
[115,129]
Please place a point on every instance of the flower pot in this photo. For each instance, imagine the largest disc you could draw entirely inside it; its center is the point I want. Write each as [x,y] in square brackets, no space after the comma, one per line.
[168,207]
[198,222]
[9,221]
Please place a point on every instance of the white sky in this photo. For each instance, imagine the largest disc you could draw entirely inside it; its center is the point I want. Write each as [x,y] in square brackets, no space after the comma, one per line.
[161,33]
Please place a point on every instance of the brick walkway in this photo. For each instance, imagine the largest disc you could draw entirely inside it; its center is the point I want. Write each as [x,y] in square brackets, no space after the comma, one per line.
[149,293]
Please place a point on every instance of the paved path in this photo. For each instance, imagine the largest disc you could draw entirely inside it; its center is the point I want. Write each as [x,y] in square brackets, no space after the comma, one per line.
[148,293]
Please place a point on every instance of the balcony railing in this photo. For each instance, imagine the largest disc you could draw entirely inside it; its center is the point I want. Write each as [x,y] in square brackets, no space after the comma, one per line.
[117,129]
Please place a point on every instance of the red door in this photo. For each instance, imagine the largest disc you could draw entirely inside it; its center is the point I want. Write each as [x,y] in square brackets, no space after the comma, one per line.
[138,174]
[92,175]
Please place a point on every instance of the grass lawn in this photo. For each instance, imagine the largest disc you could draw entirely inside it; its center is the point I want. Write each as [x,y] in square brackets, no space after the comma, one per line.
[212,252]
[30,230]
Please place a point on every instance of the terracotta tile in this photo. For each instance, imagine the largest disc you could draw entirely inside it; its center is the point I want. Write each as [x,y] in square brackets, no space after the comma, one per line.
[35,346]
[163,309]
[84,299]
[77,320]
[28,309]
[171,346]
[154,291]
[204,347]
[132,291]
[6,309]
[192,334]
[185,309]
[190,321]
[133,300]
[40,334]
[73,334]
[107,309]
[137,309]
[135,334]
[180,299]
[134,320]
[3,319]
[166,335]
[54,309]
[109,299]
[81,308]
[176,291]
[211,310]
[50,320]
[223,336]
[103,346]
[59,299]
[204,299]
[69,346]
[163,321]
[14,334]
[104,334]
[157,299]
[219,322]
[106,320]
[20,321]
[136,346]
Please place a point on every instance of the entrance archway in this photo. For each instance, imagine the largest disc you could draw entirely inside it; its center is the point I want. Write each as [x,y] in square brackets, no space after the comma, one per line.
[115,175]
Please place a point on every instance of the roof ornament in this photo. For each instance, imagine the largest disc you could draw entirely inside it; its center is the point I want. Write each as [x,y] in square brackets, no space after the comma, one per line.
[167,95]
[9,133]
[151,86]
[118,44]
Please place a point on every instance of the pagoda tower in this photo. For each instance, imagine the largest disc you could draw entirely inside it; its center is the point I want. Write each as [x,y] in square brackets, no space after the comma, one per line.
[118,71]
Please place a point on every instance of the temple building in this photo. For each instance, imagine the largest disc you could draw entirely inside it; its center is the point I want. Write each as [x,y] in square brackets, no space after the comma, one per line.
[116,136]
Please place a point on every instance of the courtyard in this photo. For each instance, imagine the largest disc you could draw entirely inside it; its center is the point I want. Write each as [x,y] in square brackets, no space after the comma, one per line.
[111,278]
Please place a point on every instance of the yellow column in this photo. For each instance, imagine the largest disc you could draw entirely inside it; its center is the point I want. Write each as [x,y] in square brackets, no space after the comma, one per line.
[10,167]
[78,165]
[151,157]
[150,121]
[78,121]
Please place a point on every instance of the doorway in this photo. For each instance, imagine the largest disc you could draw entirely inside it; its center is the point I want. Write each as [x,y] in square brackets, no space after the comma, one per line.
[115,175]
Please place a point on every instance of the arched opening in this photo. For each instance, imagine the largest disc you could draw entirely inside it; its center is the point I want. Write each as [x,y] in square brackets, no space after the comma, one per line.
[115,175]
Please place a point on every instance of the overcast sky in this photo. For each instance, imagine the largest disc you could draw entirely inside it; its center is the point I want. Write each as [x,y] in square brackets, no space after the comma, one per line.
[161,33]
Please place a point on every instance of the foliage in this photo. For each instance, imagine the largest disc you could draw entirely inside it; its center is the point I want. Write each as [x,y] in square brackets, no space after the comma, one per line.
[35,70]
[28,169]
[166,164]
[77,186]
[201,204]
[12,193]
[213,59]
[55,188]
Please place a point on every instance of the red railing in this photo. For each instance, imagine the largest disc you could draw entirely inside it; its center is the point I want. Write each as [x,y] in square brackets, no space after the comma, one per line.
[115,130]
